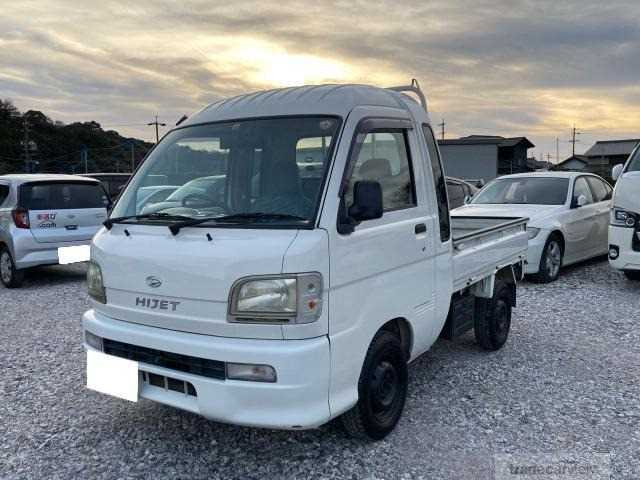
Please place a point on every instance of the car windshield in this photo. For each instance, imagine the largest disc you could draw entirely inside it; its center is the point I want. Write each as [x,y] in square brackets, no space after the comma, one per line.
[634,164]
[525,190]
[275,167]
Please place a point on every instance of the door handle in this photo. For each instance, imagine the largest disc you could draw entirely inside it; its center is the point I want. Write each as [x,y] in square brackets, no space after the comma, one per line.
[420,228]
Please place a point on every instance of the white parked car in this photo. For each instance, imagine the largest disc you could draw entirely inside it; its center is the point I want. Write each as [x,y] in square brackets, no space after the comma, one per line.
[45,216]
[568,216]
[624,232]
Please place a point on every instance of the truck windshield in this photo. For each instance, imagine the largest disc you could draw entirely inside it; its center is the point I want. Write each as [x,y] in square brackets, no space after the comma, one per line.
[525,190]
[272,167]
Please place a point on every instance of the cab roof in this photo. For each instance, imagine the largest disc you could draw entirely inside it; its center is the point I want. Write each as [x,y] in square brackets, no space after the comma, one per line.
[306,100]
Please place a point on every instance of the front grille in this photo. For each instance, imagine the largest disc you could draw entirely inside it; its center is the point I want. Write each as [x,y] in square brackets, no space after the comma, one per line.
[169,383]
[173,361]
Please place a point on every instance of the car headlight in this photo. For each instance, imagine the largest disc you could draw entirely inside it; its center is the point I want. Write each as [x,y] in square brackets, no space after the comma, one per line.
[95,284]
[277,299]
[532,232]
[623,218]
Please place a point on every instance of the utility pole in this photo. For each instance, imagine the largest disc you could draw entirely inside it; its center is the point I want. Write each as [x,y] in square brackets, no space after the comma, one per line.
[557,150]
[133,158]
[157,124]
[27,149]
[548,160]
[441,125]
[573,140]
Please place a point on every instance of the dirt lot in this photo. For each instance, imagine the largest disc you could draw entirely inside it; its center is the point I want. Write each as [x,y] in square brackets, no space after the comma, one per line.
[568,380]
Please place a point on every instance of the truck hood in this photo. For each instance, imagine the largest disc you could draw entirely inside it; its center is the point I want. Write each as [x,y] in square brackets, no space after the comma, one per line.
[183,282]
[538,215]
[626,193]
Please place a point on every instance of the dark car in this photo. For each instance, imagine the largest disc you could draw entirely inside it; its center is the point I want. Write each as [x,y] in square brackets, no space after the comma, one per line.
[113,183]
[459,192]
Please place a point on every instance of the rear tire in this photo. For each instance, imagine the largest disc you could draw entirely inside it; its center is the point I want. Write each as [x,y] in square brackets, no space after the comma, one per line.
[550,261]
[382,390]
[492,327]
[632,274]
[10,276]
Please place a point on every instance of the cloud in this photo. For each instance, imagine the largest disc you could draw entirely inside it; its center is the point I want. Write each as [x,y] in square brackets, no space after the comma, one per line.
[489,66]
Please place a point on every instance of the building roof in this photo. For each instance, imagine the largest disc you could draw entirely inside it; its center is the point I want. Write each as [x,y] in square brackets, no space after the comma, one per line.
[488,140]
[579,158]
[605,148]
[306,100]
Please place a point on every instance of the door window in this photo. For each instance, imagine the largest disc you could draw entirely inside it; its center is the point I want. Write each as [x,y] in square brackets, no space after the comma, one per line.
[384,158]
[440,184]
[601,191]
[582,188]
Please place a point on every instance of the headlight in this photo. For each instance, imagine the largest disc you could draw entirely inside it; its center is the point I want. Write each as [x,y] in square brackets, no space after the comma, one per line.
[622,218]
[94,283]
[532,232]
[277,299]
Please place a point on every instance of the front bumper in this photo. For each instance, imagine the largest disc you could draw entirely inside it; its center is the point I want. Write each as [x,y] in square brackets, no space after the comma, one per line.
[299,398]
[30,253]
[622,237]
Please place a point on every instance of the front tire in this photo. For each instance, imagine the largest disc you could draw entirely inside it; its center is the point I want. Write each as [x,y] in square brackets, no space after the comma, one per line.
[632,274]
[550,261]
[382,390]
[492,326]
[10,276]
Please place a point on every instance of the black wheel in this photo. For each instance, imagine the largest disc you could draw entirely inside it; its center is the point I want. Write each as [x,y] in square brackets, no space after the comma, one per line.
[382,390]
[10,276]
[551,261]
[492,326]
[632,274]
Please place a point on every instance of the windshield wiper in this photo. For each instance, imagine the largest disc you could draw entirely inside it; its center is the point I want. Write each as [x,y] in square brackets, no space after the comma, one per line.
[108,223]
[175,228]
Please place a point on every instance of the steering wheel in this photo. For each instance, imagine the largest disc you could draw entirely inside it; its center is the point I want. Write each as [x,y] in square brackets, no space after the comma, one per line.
[200,201]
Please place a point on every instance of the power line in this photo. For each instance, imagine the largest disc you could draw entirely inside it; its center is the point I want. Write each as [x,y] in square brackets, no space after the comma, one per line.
[156,124]
[573,140]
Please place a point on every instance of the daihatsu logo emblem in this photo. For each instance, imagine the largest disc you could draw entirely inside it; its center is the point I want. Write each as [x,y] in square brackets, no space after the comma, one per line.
[153,282]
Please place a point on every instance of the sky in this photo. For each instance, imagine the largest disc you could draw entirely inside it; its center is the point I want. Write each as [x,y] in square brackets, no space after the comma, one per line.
[529,68]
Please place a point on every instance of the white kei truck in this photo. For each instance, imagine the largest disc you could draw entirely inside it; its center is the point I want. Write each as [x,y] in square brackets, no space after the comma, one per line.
[298,288]
[624,227]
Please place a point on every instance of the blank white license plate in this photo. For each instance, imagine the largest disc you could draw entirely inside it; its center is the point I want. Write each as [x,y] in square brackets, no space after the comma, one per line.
[67,255]
[112,375]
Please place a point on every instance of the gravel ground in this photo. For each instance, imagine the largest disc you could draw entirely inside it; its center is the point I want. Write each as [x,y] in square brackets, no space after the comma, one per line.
[568,380]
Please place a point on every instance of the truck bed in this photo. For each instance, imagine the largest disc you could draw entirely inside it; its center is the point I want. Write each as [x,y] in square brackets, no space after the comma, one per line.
[483,245]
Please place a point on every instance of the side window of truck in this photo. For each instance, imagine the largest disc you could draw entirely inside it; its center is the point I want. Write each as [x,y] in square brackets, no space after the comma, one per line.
[440,184]
[384,158]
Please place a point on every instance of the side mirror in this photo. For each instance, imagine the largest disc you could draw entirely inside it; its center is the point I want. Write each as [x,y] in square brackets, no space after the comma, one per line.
[581,201]
[367,201]
[467,199]
[616,172]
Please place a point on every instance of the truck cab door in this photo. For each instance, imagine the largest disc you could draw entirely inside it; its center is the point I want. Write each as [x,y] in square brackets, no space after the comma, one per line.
[383,269]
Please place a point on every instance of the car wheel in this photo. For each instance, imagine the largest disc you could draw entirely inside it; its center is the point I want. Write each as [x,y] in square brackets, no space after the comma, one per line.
[382,390]
[10,276]
[632,274]
[551,261]
[492,326]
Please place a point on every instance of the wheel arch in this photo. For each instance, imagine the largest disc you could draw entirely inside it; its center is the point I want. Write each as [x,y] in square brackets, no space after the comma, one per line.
[401,327]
